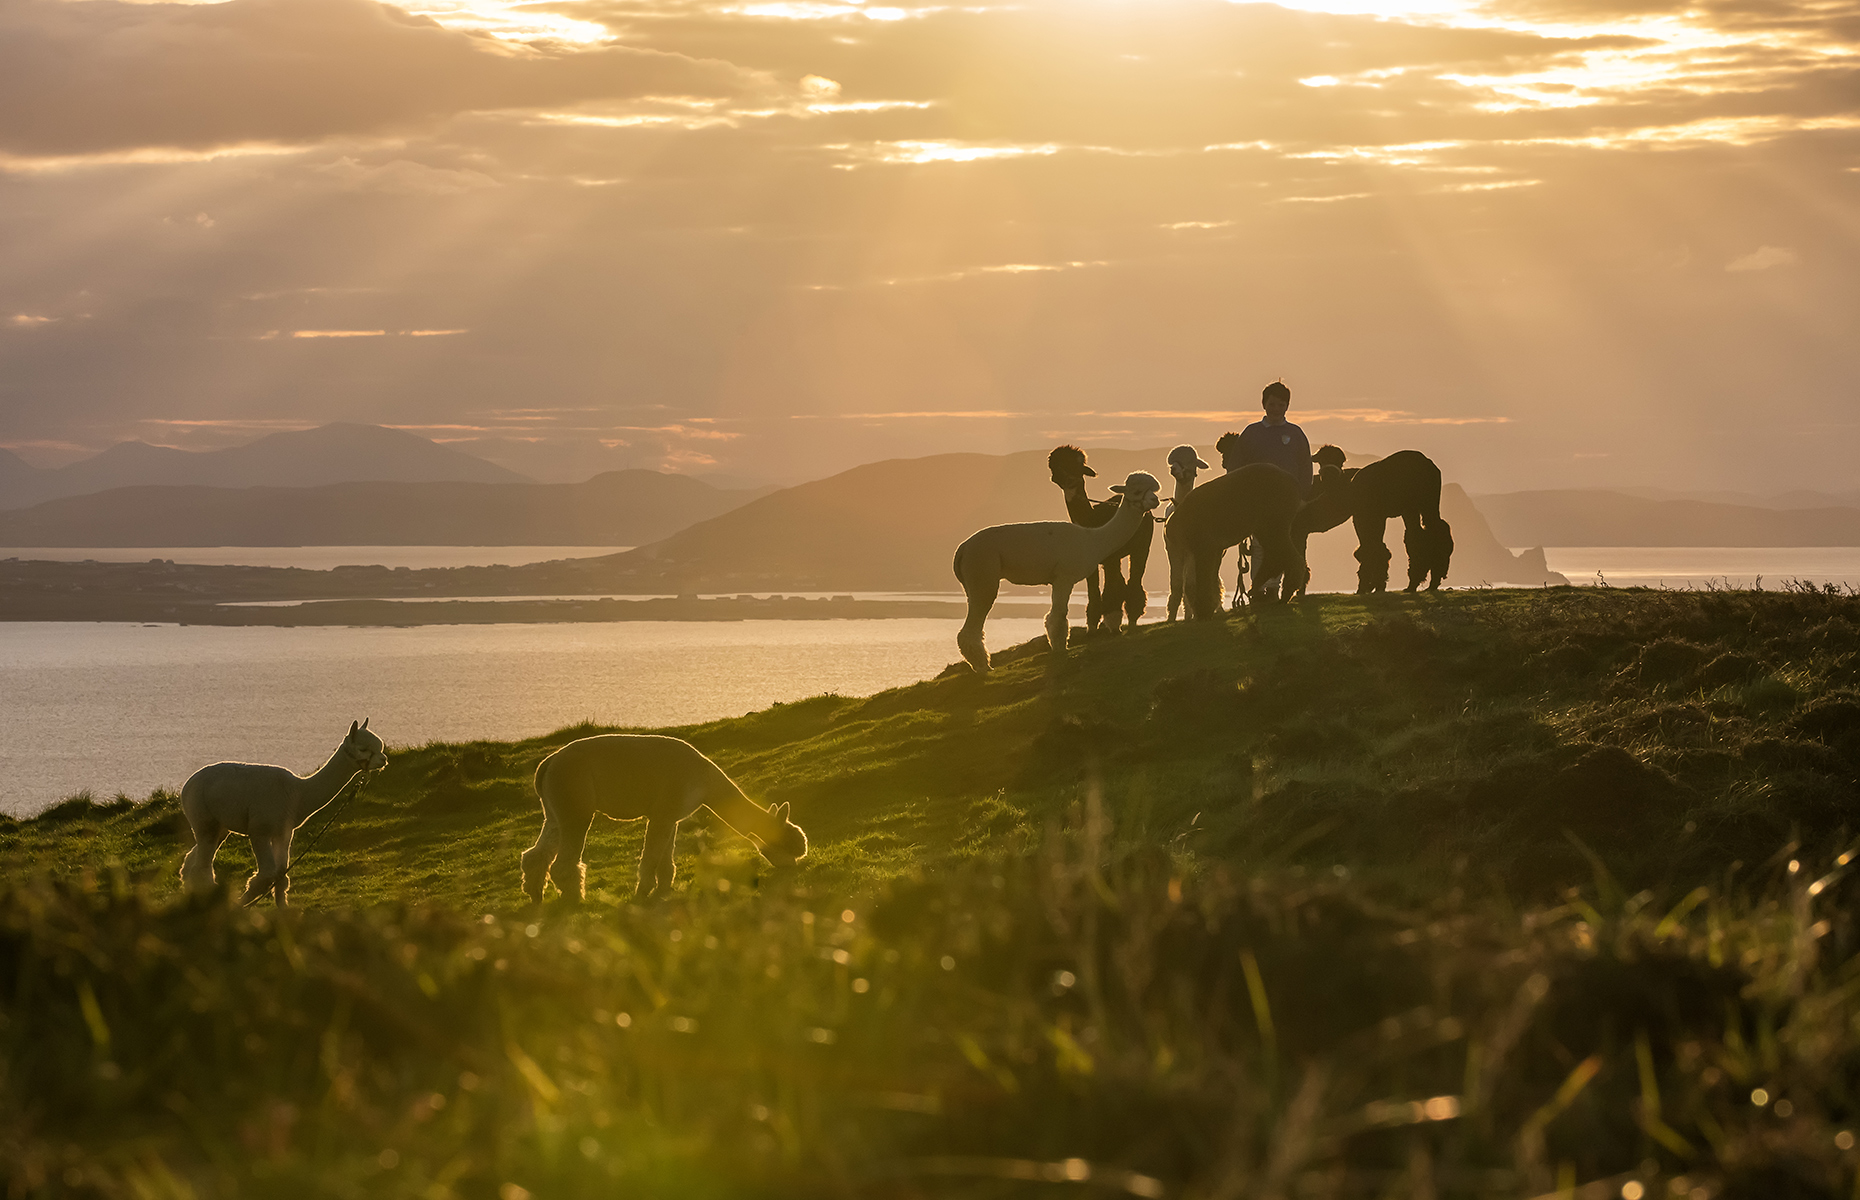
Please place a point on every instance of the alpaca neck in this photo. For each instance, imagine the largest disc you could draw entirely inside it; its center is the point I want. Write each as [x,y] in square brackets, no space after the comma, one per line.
[1079,506]
[1117,530]
[330,778]
[741,813]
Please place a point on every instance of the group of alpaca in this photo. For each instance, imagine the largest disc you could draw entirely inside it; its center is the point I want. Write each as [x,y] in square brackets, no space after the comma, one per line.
[1257,504]
[621,775]
[663,780]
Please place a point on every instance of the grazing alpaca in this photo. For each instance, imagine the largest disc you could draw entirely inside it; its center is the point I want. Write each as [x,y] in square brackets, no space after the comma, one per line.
[267,805]
[1406,484]
[1183,464]
[1120,596]
[1050,552]
[1255,501]
[627,776]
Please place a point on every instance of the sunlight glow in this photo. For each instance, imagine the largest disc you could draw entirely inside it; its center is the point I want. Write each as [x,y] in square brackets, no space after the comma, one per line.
[511,22]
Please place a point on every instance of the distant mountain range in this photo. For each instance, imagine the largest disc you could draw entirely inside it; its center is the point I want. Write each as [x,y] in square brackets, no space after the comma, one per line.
[338,453]
[619,508]
[895,525]
[1602,518]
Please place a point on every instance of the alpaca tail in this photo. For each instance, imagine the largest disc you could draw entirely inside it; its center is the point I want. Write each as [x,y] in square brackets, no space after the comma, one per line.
[957,564]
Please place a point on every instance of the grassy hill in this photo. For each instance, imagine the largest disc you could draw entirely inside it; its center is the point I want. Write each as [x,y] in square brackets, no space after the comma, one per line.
[1492,893]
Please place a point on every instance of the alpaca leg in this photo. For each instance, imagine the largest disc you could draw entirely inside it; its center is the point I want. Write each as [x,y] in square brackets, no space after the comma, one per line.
[568,871]
[1414,543]
[969,640]
[538,858]
[1372,556]
[281,853]
[264,850]
[1178,577]
[1440,550]
[1298,576]
[1058,618]
[197,868]
[1204,583]
[1094,602]
[1136,600]
[657,864]
[1114,595]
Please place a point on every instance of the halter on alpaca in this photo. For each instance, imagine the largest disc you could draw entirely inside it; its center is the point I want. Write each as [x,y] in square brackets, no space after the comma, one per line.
[632,776]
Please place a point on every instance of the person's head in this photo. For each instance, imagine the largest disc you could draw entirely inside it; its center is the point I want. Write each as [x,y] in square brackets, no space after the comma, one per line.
[1276,399]
[1228,447]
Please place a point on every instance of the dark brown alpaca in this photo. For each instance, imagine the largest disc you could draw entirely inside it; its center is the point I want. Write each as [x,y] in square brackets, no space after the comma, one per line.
[1256,501]
[1119,596]
[1406,484]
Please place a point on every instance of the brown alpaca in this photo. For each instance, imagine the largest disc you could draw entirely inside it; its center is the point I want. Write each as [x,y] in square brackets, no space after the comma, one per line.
[628,776]
[1257,501]
[1406,484]
[1120,597]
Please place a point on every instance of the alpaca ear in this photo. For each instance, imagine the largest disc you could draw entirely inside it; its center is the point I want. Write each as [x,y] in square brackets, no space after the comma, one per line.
[352,728]
[364,722]
[781,811]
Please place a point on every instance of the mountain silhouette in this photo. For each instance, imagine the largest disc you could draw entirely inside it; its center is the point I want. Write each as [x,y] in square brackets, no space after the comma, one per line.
[336,453]
[893,525]
[618,508]
[1581,517]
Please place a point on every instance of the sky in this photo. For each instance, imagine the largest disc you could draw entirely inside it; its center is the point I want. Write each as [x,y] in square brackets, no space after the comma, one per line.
[1551,243]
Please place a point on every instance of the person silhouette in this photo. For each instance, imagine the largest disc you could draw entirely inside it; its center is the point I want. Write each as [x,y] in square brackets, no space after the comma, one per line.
[1271,439]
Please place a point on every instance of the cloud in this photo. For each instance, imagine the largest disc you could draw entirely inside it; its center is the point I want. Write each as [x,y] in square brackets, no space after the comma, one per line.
[1763,258]
[402,177]
[104,76]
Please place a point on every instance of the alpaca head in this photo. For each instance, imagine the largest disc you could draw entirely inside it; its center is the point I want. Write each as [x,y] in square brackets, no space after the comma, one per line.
[1139,489]
[364,748]
[1328,457]
[1228,447]
[1067,463]
[1184,462]
[788,845]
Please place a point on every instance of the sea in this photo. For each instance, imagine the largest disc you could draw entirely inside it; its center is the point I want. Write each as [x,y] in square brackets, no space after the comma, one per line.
[123,709]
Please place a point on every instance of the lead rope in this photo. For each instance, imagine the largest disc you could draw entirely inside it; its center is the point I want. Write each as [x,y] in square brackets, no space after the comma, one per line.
[354,789]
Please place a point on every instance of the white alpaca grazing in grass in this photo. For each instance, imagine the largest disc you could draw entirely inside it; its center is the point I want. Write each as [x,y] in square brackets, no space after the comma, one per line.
[1055,553]
[628,776]
[266,804]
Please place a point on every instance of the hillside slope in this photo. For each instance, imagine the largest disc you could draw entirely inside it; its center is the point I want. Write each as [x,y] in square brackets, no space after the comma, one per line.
[1480,894]
[619,508]
[895,524]
[1599,518]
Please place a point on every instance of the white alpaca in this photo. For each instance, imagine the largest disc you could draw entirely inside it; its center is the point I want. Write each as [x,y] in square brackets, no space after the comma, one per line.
[627,776]
[266,804]
[1183,464]
[1056,553]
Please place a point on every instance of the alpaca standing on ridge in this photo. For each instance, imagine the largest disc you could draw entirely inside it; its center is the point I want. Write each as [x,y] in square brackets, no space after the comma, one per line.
[266,804]
[628,776]
[1055,553]
[1255,501]
[1120,596]
[1183,464]
[1406,484]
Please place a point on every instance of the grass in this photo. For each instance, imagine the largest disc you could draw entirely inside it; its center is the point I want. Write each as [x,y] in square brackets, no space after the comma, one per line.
[1476,894]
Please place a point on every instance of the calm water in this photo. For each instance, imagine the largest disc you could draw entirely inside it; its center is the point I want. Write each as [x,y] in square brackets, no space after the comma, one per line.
[1706,566]
[316,558]
[129,708]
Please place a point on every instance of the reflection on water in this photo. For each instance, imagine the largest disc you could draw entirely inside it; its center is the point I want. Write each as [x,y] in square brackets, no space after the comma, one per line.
[1706,566]
[129,708]
[315,558]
